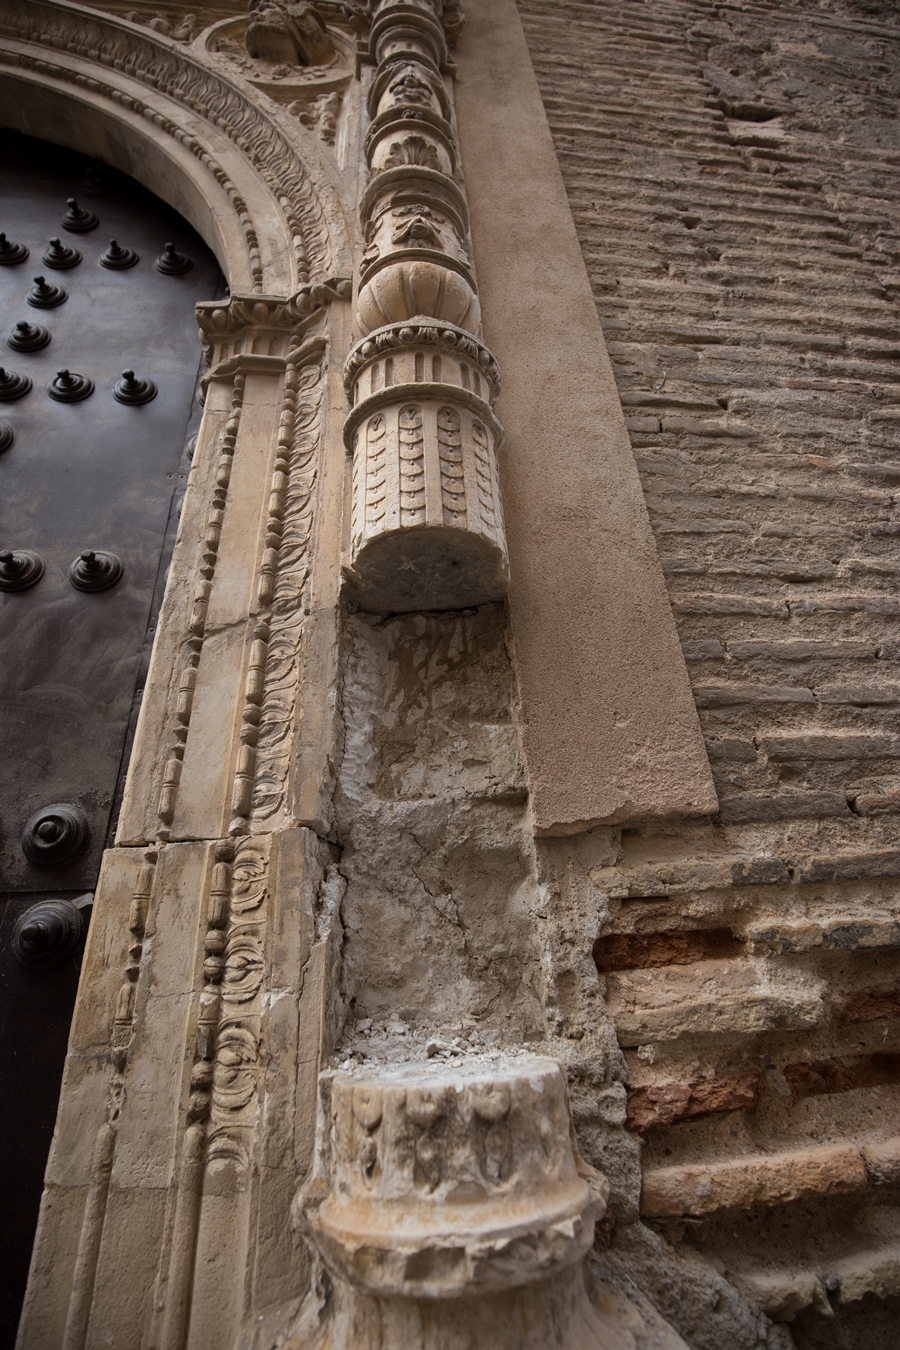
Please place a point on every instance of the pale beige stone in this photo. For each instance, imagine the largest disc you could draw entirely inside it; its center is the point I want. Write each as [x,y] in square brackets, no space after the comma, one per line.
[608,724]
[869,1272]
[455,1183]
[784,1294]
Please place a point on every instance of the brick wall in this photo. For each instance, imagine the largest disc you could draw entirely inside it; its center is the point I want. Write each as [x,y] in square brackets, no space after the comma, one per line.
[734,174]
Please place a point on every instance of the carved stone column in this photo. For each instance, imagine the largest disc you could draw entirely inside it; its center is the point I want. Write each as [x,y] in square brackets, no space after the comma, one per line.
[427,529]
[452,1210]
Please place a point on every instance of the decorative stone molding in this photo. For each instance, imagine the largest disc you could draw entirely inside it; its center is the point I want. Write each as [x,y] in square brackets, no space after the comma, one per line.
[426,468]
[427,530]
[132,56]
[458,1185]
[263,325]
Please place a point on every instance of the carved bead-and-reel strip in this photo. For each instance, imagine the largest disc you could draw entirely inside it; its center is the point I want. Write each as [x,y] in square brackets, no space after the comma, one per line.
[197,624]
[226,1054]
[427,529]
[105,1143]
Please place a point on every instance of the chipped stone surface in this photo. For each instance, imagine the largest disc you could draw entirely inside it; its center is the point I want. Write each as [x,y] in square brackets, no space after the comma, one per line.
[711,997]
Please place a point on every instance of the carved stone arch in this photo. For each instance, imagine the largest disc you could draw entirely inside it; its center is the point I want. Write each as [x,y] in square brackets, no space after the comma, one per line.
[256,185]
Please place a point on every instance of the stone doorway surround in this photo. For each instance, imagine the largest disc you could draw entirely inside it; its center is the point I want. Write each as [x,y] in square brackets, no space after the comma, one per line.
[211,999]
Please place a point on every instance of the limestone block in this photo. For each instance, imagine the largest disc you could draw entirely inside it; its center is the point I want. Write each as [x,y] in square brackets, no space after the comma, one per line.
[883,1160]
[457,1183]
[869,1272]
[784,1294]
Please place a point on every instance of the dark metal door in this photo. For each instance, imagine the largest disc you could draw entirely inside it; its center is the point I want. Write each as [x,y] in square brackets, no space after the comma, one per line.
[92,470]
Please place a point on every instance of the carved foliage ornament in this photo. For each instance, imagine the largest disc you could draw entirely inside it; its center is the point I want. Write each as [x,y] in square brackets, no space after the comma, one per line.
[161,64]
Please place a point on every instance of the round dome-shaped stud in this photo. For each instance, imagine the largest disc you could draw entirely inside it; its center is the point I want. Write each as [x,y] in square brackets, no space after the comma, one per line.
[28,337]
[118,258]
[19,569]
[61,256]
[172,263]
[132,390]
[12,385]
[95,570]
[55,834]
[46,294]
[47,934]
[11,253]
[78,219]
[7,436]
[67,387]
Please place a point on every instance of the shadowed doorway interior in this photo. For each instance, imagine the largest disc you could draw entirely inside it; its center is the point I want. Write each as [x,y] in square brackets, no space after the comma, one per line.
[98,409]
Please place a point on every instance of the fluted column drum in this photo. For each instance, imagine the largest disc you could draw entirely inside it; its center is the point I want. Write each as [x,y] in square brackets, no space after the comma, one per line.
[427,528]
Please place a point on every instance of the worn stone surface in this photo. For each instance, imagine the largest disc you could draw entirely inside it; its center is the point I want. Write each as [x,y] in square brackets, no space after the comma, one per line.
[363,844]
[743,1183]
[608,731]
[732,178]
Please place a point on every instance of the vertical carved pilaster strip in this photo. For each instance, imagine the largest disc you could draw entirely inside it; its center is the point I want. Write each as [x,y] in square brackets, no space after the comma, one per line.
[91,1235]
[190,1175]
[197,625]
[425,537]
[275,688]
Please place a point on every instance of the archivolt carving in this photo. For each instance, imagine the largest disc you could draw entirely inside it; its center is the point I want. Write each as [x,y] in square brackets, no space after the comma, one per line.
[159,63]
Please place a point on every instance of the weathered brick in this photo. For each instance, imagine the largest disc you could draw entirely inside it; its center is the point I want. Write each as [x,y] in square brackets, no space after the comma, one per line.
[850,866]
[876,803]
[725,997]
[729,604]
[655,1104]
[760,806]
[836,933]
[728,695]
[759,1179]
[801,650]
[703,651]
[870,1005]
[860,695]
[843,604]
[677,947]
[831,745]
[809,1078]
